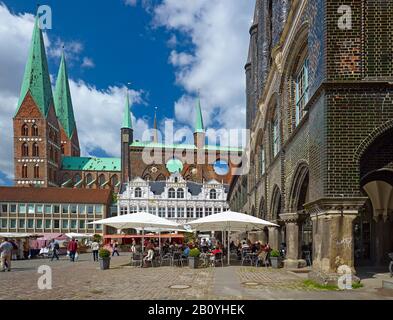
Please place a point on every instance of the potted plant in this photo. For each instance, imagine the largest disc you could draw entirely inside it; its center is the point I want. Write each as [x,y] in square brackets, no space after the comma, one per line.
[193,258]
[105,259]
[275,259]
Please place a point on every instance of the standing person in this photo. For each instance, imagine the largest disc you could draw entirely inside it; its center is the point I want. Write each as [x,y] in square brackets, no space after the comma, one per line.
[72,248]
[54,246]
[95,246]
[6,252]
[115,249]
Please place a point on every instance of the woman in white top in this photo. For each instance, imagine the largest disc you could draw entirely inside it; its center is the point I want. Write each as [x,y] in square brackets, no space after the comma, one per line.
[149,257]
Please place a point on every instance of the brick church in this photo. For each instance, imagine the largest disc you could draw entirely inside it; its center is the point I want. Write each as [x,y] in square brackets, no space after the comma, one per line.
[47,150]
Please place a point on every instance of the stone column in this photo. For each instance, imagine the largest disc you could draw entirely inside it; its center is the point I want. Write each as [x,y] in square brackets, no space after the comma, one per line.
[293,258]
[333,244]
[274,238]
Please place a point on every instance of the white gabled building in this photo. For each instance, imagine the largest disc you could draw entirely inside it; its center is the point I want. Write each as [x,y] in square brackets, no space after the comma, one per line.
[174,199]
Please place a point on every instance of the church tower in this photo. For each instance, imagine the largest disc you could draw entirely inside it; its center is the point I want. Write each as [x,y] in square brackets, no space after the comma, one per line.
[65,113]
[36,129]
[127,138]
[199,133]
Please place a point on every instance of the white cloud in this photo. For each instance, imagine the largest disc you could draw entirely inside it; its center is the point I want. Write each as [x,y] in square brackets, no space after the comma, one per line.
[87,63]
[131,3]
[218,30]
[98,112]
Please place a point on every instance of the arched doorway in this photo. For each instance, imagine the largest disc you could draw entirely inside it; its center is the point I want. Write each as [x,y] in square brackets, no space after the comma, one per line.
[299,196]
[373,229]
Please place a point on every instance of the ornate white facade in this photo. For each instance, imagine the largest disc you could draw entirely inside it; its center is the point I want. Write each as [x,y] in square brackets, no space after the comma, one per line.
[174,199]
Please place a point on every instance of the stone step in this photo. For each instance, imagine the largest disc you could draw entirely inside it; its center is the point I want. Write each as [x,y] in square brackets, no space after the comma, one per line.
[387,284]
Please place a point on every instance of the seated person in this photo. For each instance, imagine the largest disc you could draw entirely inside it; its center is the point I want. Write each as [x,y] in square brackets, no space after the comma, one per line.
[149,257]
[186,252]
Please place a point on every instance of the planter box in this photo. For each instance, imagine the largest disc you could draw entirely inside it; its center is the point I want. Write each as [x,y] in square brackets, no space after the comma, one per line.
[105,263]
[193,262]
[276,262]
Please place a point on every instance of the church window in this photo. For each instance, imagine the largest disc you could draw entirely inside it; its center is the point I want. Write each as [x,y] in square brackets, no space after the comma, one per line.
[34,131]
[25,150]
[213,194]
[36,150]
[36,171]
[25,130]
[275,134]
[24,171]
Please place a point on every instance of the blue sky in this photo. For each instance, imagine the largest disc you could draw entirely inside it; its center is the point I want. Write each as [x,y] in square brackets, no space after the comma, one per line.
[168,49]
[122,43]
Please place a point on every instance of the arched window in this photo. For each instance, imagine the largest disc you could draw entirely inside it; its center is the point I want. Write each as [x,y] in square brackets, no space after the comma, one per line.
[25,150]
[101,180]
[25,130]
[262,161]
[55,137]
[180,193]
[171,193]
[89,179]
[36,150]
[213,194]
[138,193]
[51,155]
[62,149]
[275,133]
[302,89]
[34,131]
[56,156]
[36,171]
[54,175]
[66,177]
[114,180]
[24,171]
[77,178]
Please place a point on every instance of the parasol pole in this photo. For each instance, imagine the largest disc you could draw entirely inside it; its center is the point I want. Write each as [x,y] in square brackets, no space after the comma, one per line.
[143,243]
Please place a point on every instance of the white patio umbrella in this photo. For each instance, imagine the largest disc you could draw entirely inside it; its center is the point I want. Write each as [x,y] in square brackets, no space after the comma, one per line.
[230,221]
[142,220]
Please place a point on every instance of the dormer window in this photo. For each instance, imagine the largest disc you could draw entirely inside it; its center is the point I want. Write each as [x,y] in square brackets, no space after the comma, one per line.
[171,193]
[138,193]
[180,193]
[213,194]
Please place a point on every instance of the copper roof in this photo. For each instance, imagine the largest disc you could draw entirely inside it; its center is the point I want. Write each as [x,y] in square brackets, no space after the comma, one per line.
[55,195]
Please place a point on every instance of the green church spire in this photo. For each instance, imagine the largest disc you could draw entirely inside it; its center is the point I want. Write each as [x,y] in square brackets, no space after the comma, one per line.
[127,122]
[63,101]
[36,79]
[199,119]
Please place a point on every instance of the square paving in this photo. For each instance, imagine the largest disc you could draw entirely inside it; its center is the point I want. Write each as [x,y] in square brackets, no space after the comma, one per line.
[85,280]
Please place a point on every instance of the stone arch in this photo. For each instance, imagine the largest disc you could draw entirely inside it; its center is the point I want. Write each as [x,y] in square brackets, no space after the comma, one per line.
[276,207]
[299,188]
[369,140]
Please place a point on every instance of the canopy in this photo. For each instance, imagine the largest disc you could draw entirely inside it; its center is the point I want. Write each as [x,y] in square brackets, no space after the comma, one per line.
[230,221]
[18,235]
[79,235]
[141,220]
[52,236]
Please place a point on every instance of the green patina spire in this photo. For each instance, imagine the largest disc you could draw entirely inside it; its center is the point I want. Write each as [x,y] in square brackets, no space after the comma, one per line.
[199,120]
[36,79]
[63,101]
[127,122]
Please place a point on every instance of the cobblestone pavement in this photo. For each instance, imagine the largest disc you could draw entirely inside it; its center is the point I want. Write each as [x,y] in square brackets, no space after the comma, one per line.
[84,280]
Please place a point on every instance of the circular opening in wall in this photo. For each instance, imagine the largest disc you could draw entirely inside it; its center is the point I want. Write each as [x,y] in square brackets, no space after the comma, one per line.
[174,165]
[221,167]
[180,286]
